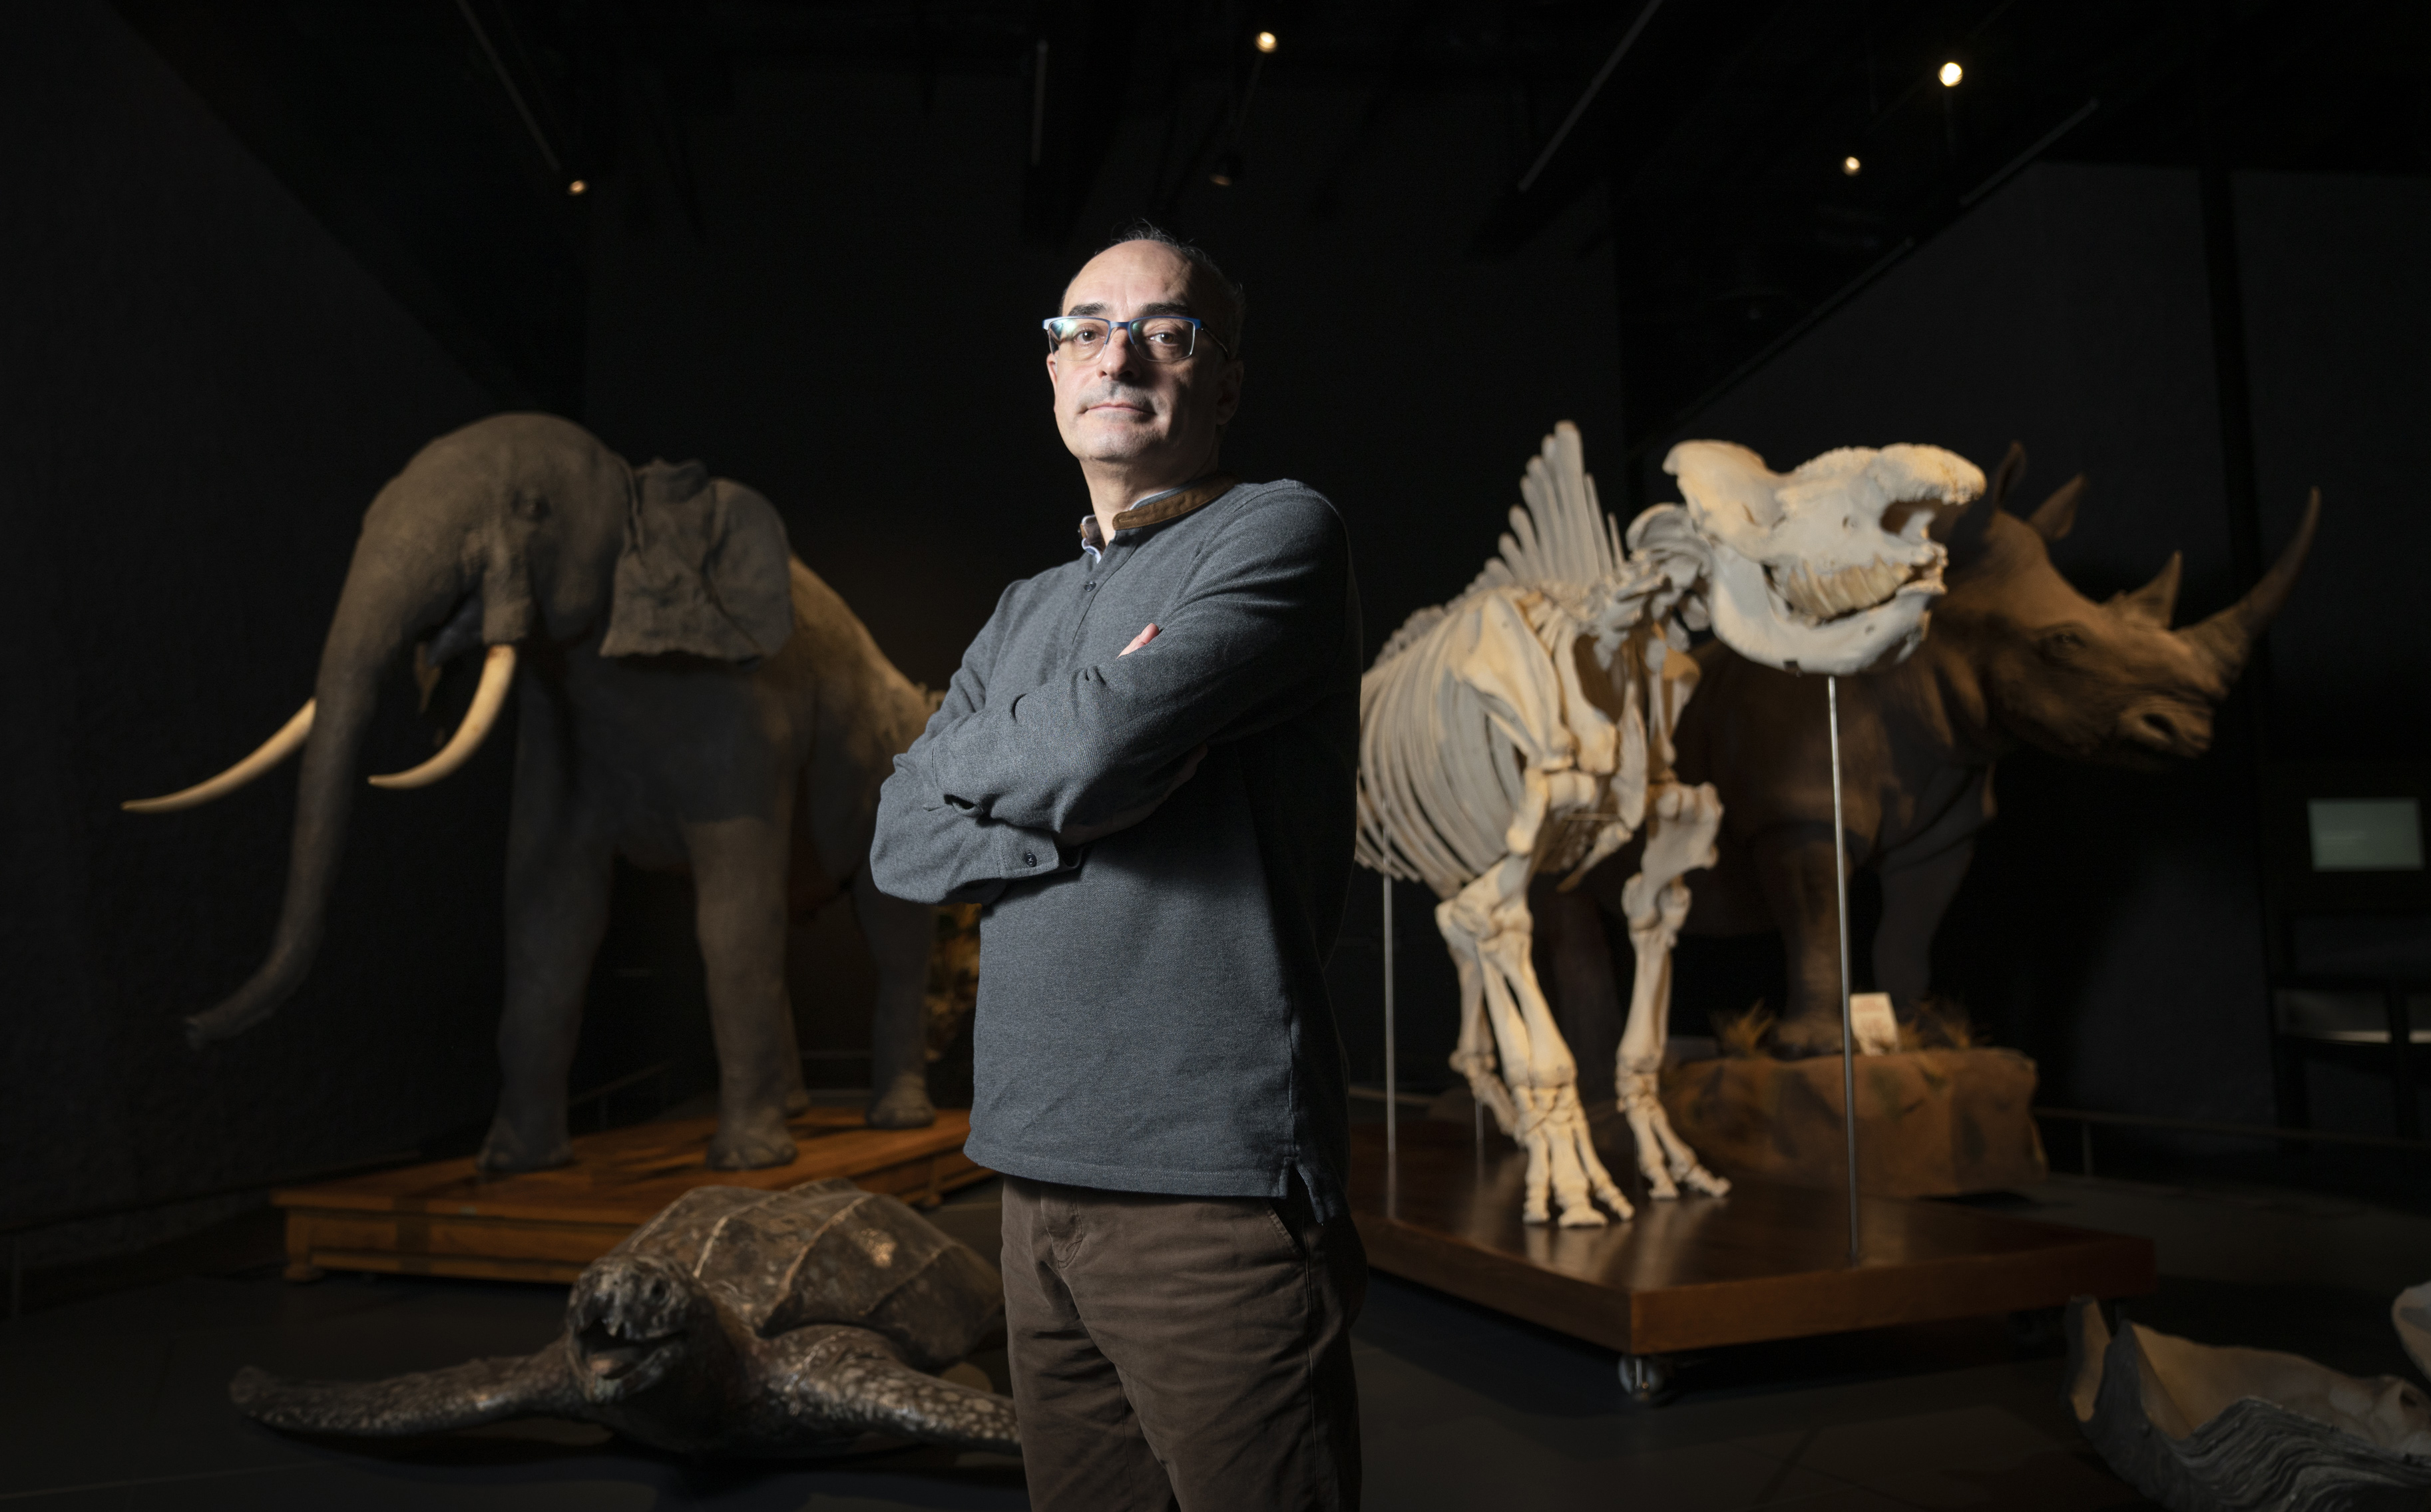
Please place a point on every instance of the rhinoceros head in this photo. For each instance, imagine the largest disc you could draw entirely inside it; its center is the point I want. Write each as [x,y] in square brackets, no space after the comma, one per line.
[634,1320]
[2108,682]
[1829,567]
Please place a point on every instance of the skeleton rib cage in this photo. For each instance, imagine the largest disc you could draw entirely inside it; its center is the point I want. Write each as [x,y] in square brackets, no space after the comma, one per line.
[1524,728]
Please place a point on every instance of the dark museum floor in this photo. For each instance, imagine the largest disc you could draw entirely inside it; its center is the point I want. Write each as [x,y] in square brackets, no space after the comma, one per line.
[117,1399]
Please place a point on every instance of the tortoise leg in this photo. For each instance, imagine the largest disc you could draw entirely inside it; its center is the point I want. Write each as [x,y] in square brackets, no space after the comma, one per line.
[836,1382]
[427,1401]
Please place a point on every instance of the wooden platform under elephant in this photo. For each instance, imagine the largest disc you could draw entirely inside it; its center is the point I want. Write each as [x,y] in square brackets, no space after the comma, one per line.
[445,1219]
[1769,1261]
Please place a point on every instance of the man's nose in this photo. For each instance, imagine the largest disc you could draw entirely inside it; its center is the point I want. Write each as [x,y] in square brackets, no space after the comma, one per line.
[1120,355]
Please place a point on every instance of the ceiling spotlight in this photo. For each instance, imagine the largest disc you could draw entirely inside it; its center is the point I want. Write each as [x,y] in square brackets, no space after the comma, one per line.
[577,187]
[1266,41]
[1849,165]
[1951,74]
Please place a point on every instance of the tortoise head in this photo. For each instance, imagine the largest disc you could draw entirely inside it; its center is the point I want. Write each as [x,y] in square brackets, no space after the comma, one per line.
[632,1320]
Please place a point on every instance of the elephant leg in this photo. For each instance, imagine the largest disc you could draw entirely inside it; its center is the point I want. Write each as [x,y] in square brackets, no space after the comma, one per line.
[1914,898]
[739,873]
[789,1058]
[558,874]
[1796,865]
[899,935]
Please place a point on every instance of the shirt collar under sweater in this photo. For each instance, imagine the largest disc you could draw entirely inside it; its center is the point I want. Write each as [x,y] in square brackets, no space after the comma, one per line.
[1157,509]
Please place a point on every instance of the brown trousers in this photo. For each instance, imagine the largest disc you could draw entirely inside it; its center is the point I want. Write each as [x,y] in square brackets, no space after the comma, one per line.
[1189,1353]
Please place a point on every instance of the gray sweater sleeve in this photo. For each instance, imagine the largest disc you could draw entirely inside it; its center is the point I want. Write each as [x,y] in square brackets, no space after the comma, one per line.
[1244,646]
[931,850]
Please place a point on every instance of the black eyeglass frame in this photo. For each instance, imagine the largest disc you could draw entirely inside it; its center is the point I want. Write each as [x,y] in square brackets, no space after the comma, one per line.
[1130,331]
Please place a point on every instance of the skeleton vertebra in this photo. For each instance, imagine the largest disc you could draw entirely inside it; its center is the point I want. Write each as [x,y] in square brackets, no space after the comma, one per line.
[1526,726]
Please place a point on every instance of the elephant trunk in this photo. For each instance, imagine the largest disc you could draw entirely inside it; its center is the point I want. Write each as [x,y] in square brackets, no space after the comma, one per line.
[380,607]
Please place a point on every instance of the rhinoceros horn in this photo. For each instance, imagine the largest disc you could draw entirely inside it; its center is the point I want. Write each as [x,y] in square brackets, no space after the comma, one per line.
[2158,599]
[2057,516]
[2228,638]
[1973,526]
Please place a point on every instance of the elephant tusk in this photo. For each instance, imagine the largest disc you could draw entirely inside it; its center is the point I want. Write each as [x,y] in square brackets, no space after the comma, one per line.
[497,673]
[289,739]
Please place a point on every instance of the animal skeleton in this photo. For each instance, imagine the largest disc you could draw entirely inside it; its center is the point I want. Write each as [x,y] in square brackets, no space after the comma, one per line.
[1526,727]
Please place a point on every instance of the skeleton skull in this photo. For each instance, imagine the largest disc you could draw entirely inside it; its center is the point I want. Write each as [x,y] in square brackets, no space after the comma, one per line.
[1829,567]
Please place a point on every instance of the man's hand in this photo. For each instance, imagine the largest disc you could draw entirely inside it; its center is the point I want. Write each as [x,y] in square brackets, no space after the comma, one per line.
[1083,834]
[1138,641]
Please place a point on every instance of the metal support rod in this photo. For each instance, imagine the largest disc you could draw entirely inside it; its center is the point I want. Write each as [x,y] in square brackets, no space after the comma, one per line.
[1848,1030]
[507,81]
[1595,86]
[1392,1085]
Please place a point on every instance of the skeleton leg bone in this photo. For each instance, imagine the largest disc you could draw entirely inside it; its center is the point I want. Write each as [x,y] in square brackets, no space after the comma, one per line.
[1474,1057]
[1680,826]
[1488,924]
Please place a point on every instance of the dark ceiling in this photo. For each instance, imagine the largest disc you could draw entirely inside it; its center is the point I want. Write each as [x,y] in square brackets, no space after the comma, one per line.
[440,138]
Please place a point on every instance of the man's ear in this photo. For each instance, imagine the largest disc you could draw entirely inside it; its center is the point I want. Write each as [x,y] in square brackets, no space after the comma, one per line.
[705,571]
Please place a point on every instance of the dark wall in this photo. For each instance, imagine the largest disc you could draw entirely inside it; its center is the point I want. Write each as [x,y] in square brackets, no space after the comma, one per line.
[795,340]
[206,391]
[203,393]
[2112,924]
[2338,327]
[798,341]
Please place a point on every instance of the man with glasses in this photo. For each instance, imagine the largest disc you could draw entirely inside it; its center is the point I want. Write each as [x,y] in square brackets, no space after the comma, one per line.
[1145,771]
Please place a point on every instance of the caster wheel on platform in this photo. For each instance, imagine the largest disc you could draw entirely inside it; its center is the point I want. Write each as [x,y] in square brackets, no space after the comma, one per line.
[1646,1378]
[2035,1330]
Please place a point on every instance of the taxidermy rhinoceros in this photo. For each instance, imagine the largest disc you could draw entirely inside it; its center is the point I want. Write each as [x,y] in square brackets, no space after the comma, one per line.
[737,1322]
[2016,656]
[693,699]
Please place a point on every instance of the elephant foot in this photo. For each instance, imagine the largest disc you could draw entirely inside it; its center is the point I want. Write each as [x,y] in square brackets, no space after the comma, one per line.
[904,1104]
[509,1151]
[752,1141]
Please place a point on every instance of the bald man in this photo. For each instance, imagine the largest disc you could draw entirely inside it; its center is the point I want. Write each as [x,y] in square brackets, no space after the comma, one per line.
[1145,771]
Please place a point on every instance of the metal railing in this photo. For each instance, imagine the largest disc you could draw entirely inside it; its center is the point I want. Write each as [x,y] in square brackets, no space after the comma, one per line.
[2085,1120]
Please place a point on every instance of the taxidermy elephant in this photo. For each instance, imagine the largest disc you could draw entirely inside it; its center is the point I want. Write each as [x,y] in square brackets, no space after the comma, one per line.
[2015,656]
[692,699]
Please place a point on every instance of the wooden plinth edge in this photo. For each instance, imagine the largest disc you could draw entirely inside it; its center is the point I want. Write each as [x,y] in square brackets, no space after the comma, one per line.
[1768,1262]
[445,1219]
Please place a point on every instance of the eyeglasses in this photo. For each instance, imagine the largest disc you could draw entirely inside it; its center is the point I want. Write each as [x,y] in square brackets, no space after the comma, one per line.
[1157,338]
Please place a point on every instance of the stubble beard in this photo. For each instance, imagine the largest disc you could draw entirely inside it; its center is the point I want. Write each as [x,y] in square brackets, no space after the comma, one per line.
[1110,441]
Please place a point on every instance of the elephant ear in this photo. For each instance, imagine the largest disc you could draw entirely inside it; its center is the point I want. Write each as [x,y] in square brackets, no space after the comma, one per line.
[704,573]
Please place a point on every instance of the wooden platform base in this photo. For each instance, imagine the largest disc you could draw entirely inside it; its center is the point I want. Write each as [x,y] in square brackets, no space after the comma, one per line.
[1765,1262]
[446,1220]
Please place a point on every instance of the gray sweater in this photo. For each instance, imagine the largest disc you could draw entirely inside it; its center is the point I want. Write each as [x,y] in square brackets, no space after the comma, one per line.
[1152,1012]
